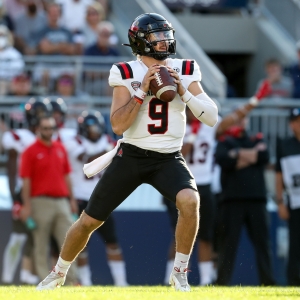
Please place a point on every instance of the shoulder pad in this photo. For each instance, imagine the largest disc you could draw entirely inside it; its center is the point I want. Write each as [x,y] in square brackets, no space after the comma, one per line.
[187,67]
[15,135]
[125,69]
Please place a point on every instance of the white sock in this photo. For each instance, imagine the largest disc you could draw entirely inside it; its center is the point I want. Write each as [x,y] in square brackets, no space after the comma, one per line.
[118,272]
[62,266]
[206,269]
[169,269]
[85,275]
[12,256]
[181,262]
[27,277]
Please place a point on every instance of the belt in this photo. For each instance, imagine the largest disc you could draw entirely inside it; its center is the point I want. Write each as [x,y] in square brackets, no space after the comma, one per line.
[148,152]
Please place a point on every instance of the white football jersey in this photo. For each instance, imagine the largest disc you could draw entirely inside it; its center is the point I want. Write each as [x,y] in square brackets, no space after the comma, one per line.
[159,126]
[201,159]
[19,140]
[64,134]
[82,185]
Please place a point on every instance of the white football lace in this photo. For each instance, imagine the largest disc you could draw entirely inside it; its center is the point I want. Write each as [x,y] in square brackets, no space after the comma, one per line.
[158,78]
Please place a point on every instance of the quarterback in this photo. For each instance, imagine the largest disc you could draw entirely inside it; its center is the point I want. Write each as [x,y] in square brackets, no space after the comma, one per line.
[153,132]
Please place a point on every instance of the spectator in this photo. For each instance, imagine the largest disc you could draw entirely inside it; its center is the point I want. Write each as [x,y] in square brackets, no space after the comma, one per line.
[103,47]
[94,15]
[11,61]
[28,25]
[71,8]
[288,179]
[65,86]
[242,160]
[294,72]
[14,8]
[21,86]
[4,18]
[54,39]
[46,188]
[96,82]
[281,86]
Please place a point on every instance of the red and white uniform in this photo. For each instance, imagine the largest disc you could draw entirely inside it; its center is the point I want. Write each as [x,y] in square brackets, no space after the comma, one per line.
[155,118]
[82,185]
[201,159]
[18,140]
[63,134]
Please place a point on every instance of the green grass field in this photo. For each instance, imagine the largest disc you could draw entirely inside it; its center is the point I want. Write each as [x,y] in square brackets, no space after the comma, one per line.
[147,293]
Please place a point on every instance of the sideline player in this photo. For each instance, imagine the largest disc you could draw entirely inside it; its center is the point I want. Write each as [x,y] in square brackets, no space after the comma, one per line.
[153,132]
[199,148]
[85,147]
[15,142]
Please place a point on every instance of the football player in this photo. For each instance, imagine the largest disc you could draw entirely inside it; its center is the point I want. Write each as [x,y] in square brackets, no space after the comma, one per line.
[15,142]
[59,113]
[152,138]
[90,143]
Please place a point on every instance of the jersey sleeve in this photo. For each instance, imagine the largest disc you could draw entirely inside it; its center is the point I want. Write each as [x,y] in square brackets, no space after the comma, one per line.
[9,140]
[115,77]
[188,130]
[190,71]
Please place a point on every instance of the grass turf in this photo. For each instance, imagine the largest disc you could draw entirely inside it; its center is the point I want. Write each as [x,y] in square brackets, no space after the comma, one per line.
[147,293]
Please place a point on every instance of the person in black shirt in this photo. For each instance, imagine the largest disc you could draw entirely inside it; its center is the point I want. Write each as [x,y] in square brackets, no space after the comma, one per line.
[288,179]
[242,159]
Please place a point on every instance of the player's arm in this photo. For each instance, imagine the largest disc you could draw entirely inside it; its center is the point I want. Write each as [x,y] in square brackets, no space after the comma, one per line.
[12,170]
[283,211]
[85,158]
[125,108]
[26,208]
[73,202]
[243,111]
[202,106]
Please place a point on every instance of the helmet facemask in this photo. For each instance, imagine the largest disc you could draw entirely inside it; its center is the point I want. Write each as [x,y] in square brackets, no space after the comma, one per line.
[160,39]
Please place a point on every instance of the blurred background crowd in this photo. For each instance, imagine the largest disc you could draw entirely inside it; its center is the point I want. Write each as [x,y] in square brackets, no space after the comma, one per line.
[55,57]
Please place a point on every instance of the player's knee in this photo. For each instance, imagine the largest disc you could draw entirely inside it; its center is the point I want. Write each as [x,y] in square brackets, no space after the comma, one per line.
[187,202]
[89,224]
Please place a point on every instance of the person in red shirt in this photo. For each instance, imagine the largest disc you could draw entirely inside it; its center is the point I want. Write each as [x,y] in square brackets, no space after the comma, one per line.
[47,193]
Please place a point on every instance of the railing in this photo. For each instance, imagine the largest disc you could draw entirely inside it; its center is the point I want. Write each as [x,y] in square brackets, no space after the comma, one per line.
[287,13]
[206,4]
[270,118]
[90,73]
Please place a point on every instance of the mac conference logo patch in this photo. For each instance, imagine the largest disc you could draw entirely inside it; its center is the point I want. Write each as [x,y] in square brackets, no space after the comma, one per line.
[135,85]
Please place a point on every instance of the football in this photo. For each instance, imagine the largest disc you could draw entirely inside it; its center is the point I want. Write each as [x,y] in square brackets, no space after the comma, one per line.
[163,86]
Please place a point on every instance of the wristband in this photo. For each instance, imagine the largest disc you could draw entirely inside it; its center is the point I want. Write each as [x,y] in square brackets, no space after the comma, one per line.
[139,96]
[253,101]
[186,97]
